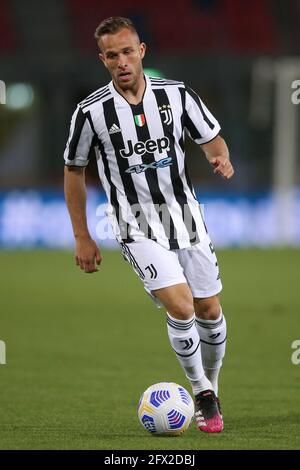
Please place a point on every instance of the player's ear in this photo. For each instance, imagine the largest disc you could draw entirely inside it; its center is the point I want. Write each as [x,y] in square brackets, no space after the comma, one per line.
[142,49]
[101,57]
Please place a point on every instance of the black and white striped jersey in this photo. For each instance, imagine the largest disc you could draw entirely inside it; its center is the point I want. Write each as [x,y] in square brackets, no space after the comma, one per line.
[141,158]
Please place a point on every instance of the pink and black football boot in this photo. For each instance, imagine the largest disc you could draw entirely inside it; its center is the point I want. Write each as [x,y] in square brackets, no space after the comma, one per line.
[208,412]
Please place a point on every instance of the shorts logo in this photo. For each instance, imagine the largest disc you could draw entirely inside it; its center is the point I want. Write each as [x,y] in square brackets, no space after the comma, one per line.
[165,111]
[150,146]
[152,271]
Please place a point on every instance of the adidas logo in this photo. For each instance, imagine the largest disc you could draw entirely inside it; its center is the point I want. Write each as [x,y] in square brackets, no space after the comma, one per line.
[114,129]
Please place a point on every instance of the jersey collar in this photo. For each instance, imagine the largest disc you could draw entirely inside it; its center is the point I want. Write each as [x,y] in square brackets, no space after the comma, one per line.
[120,97]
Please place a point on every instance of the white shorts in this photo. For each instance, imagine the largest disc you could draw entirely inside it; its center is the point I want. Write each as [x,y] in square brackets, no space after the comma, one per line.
[158,267]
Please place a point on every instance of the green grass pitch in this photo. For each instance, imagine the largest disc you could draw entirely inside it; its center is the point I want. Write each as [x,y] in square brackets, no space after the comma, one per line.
[82,348]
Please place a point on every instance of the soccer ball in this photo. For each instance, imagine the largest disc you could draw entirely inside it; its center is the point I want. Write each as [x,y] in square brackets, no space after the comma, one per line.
[166,408]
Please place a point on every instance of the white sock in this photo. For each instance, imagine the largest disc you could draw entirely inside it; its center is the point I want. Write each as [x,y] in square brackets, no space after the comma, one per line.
[185,341]
[213,334]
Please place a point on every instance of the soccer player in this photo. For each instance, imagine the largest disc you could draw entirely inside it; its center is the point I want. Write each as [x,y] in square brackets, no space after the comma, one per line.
[137,125]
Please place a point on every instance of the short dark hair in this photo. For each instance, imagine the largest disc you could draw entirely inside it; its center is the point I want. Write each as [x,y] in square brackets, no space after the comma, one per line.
[113,25]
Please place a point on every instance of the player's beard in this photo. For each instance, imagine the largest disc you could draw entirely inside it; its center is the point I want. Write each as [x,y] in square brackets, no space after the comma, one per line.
[128,85]
[134,78]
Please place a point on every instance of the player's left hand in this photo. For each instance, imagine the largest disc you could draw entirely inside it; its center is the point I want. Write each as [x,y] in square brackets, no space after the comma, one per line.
[222,166]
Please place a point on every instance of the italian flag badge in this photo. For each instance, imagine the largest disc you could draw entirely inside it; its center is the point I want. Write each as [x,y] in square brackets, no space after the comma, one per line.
[139,119]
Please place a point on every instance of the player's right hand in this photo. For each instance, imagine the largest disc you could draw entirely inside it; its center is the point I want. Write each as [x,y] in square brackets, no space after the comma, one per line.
[87,254]
[222,166]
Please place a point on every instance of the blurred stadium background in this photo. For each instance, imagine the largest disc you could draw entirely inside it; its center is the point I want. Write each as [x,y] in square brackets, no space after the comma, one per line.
[242,57]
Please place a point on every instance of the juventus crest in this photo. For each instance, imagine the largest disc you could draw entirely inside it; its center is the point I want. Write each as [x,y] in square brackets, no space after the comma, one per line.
[166,112]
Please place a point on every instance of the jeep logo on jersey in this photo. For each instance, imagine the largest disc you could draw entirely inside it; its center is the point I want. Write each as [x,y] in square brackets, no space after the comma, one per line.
[149,146]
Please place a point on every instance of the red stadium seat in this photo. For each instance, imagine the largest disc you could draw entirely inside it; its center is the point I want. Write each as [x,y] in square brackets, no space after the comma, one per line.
[7,28]
[86,15]
[251,26]
[186,26]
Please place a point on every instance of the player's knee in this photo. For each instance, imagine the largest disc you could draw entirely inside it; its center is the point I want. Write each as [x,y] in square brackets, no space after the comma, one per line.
[208,309]
[183,309]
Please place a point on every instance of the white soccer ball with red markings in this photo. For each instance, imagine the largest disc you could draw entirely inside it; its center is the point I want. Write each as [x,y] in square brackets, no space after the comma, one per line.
[166,408]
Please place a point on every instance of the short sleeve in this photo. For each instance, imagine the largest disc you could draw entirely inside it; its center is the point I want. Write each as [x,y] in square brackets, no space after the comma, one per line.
[199,122]
[80,140]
